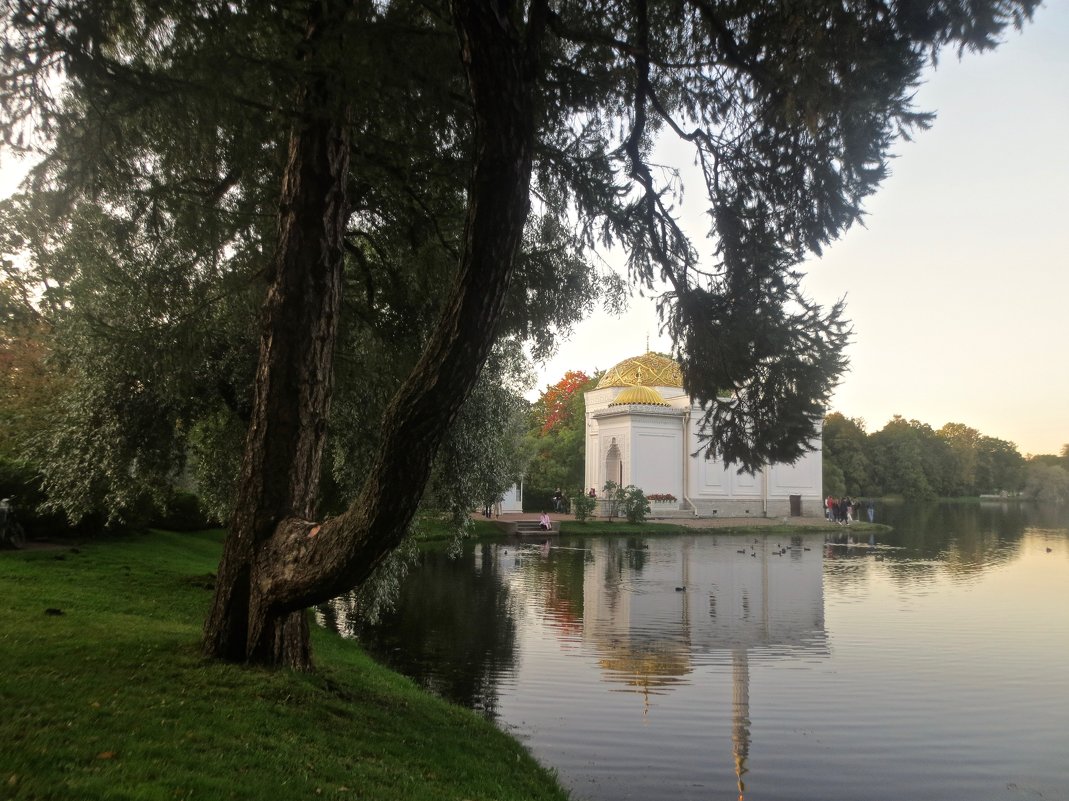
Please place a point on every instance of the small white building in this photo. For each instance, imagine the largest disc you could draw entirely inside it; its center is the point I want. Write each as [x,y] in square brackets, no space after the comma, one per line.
[512,501]
[642,429]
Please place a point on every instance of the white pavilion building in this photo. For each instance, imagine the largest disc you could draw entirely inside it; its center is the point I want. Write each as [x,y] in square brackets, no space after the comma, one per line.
[642,429]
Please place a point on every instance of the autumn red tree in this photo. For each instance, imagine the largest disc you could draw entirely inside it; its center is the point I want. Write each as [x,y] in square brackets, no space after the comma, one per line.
[555,407]
[557,436]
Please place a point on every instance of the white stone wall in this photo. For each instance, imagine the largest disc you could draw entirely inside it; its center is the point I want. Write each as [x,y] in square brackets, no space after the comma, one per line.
[652,444]
[649,440]
[512,500]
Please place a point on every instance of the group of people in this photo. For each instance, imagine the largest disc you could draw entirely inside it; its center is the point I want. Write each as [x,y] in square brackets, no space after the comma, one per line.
[844,511]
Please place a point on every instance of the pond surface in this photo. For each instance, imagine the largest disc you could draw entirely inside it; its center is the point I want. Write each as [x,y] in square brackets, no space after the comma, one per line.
[933,666]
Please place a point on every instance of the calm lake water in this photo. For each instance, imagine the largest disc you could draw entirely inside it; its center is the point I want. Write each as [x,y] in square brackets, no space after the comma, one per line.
[934,666]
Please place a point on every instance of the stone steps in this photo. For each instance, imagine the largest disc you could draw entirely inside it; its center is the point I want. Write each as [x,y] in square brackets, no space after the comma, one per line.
[530,528]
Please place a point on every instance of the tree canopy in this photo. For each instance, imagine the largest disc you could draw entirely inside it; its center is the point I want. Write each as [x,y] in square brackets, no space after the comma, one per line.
[557,435]
[910,458]
[414,188]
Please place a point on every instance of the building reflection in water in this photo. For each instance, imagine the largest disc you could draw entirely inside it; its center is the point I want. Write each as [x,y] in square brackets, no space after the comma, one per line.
[652,611]
[740,715]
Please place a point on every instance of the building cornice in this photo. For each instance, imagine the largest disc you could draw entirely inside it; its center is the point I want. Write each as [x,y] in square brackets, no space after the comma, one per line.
[637,410]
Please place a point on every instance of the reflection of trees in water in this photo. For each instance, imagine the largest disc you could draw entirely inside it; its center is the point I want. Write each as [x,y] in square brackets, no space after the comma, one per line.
[966,538]
[637,554]
[954,539]
[1049,515]
[614,561]
[433,641]
[845,570]
[555,576]
[914,575]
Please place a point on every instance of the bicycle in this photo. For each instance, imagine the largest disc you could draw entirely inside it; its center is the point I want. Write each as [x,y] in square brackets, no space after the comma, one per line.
[12,535]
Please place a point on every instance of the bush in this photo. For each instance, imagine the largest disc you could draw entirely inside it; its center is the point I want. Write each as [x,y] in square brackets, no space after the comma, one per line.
[184,513]
[629,501]
[21,482]
[583,506]
[636,507]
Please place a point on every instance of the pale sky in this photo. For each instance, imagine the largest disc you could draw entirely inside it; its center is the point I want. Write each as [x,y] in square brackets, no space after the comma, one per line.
[957,287]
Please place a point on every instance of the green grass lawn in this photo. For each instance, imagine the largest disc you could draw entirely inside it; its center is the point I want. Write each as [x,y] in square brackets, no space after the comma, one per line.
[106,696]
[433,528]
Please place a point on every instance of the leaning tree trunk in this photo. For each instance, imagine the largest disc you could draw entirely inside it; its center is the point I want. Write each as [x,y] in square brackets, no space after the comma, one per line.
[278,560]
[280,468]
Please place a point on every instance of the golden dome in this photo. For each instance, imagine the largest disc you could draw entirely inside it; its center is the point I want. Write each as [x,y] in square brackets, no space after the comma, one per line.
[647,370]
[639,394]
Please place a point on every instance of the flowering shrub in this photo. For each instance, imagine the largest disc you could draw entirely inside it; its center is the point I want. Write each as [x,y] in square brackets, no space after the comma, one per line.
[661,496]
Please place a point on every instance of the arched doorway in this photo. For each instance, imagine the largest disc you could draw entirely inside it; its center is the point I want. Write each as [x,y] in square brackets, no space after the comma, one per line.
[614,464]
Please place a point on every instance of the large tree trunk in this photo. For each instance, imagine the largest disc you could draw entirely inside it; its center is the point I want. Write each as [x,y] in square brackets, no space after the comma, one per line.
[277,560]
[284,445]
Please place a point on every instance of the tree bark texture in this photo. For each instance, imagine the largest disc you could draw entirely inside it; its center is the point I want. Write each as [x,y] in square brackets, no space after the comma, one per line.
[277,560]
[281,465]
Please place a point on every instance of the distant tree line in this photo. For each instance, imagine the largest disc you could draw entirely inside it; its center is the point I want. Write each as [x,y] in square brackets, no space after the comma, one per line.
[911,459]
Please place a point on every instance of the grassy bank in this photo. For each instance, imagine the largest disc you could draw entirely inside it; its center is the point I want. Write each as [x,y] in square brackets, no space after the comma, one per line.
[431,529]
[104,696]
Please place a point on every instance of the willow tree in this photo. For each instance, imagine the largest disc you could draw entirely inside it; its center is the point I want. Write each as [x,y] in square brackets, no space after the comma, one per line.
[789,111]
